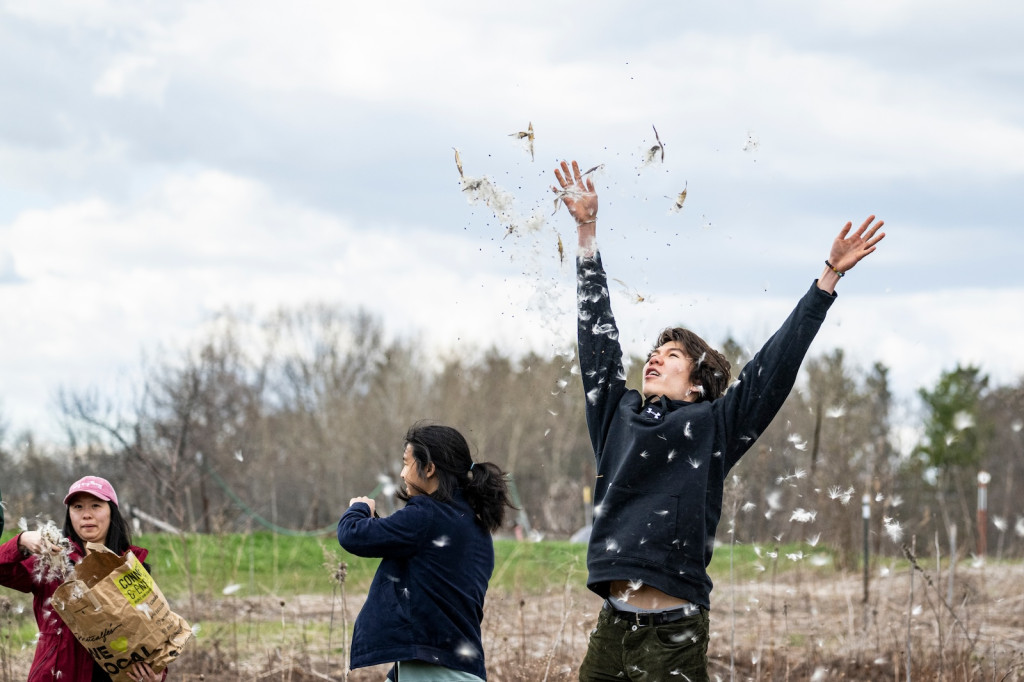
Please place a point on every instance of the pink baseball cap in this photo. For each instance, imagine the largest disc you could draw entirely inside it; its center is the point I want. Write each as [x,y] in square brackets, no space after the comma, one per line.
[94,485]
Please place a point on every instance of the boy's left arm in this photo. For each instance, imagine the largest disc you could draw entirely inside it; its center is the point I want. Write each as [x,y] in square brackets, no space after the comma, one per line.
[749,406]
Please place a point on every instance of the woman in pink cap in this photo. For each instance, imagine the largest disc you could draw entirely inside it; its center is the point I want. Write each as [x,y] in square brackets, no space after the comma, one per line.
[92,516]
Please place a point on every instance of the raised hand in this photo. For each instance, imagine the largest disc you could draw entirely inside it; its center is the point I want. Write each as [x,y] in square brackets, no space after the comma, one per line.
[848,249]
[577,193]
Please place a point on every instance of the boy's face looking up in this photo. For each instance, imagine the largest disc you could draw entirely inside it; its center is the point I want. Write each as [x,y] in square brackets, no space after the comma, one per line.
[667,373]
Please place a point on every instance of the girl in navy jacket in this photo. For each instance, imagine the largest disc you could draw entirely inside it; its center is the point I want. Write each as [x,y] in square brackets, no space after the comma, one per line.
[425,605]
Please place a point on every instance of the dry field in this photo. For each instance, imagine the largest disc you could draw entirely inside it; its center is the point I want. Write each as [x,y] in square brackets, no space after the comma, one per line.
[800,626]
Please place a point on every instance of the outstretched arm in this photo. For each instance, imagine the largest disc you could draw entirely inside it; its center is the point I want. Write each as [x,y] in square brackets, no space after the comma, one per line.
[848,250]
[578,195]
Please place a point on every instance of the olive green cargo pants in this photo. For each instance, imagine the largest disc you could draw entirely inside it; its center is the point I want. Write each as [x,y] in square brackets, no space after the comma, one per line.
[622,650]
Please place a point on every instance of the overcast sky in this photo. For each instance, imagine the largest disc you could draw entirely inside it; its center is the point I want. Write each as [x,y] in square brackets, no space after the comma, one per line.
[164,161]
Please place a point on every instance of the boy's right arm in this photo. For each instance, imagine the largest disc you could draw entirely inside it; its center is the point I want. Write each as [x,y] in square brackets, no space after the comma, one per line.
[600,354]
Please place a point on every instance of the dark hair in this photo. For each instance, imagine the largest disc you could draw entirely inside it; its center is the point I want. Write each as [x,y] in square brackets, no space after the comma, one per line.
[483,483]
[710,368]
[119,535]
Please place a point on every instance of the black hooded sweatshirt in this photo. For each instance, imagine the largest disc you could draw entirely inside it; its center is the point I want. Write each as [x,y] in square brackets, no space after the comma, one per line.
[661,464]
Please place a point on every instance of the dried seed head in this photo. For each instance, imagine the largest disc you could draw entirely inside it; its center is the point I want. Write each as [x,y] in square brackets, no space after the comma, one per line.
[337,570]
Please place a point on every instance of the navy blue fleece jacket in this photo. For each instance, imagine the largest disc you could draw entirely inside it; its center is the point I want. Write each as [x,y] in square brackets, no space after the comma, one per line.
[426,601]
[661,465]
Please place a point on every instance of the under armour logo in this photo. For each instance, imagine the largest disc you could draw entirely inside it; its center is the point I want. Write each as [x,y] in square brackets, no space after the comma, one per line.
[653,412]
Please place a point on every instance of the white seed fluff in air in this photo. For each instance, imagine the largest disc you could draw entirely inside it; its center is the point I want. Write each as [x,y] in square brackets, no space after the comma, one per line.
[466,650]
[802,515]
[893,529]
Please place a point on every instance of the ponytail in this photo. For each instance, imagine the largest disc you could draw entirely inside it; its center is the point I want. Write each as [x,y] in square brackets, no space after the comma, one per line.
[486,490]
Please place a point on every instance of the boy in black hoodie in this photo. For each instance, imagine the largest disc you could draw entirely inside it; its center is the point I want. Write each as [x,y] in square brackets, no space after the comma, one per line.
[663,454]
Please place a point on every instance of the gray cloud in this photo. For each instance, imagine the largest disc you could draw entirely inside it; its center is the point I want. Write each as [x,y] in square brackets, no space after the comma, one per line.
[275,157]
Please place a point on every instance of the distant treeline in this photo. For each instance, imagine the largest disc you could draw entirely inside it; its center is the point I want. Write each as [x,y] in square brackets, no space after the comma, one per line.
[275,423]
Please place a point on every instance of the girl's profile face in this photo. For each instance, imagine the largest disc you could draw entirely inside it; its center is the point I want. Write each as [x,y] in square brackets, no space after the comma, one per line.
[415,483]
[90,517]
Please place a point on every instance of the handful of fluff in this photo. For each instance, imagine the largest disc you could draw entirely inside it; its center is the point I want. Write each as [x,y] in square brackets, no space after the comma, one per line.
[54,562]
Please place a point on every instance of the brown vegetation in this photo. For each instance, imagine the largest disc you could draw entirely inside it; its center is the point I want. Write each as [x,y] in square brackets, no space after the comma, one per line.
[799,626]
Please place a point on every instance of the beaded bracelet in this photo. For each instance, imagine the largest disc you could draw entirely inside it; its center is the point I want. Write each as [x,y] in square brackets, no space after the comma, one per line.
[833,268]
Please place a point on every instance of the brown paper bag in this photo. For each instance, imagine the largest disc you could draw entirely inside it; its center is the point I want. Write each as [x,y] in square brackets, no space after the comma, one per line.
[118,613]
